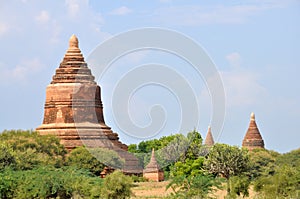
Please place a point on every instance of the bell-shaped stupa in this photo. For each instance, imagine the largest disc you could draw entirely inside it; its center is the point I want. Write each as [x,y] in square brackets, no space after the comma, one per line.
[73,109]
[253,139]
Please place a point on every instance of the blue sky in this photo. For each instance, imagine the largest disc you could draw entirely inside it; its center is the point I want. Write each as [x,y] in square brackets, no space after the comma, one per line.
[255,45]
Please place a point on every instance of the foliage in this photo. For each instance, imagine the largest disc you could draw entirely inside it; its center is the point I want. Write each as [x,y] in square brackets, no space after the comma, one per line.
[227,160]
[35,166]
[195,148]
[30,149]
[291,158]
[285,183]
[239,185]
[138,178]
[282,176]
[48,182]
[262,162]
[82,158]
[188,168]
[117,186]
[7,157]
[143,149]
[198,186]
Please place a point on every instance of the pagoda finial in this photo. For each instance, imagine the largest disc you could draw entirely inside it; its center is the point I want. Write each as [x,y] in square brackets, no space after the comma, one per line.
[73,42]
[252,116]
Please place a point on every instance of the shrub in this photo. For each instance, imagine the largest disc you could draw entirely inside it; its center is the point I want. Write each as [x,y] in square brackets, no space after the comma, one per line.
[117,186]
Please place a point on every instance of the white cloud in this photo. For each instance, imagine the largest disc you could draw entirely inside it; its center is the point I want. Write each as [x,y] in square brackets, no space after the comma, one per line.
[43,17]
[234,59]
[121,11]
[75,6]
[21,71]
[56,30]
[242,87]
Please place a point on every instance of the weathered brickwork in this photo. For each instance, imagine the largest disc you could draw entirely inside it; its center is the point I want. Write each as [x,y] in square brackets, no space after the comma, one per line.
[209,140]
[74,112]
[253,139]
[152,171]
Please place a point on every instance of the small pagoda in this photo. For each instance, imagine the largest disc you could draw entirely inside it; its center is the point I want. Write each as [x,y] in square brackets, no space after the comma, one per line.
[253,138]
[74,112]
[152,171]
[209,140]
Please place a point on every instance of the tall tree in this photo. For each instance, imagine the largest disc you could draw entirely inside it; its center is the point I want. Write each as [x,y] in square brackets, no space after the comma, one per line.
[227,161]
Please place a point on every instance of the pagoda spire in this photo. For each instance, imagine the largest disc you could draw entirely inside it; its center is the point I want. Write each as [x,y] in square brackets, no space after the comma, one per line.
[253,138]
[153,165]
[152,170]
[209,140]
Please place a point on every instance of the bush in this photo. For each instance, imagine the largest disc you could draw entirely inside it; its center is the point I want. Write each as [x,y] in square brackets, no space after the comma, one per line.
[198,186]
[239,185]
[285,183]
[117,186]
[138,179]
[82,158]
[49,182]
[28,149]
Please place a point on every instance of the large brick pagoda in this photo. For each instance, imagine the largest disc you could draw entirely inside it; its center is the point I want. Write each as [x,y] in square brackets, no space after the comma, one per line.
[253,139]
[74,112]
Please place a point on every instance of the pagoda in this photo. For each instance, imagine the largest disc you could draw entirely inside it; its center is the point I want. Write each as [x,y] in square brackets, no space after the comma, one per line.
[74,112]
[253,138]
[152,171]
[209,140]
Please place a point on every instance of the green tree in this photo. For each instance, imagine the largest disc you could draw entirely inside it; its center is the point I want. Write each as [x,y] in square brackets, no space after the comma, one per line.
[94,159]
[117,186]
[227,161]
[29,149]
[188,168]
[49,182]
[291,158]
[239,186]
[198,186]
[7,157]
[195,148]
[133,148]
[285,183]
[80,157]
[262,162]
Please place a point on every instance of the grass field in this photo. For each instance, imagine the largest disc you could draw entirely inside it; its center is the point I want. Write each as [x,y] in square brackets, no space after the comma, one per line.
[153,190]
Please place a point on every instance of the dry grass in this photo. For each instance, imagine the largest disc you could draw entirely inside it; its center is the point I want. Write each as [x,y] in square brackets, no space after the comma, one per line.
[143,190]
[151,190]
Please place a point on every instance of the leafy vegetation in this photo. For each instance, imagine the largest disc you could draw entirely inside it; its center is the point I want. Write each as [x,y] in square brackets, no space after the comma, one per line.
[34,166]
[94,159]
[284,180]
[117,186]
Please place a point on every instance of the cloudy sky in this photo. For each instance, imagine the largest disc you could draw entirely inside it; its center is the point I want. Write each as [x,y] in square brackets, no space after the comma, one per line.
[255,45]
